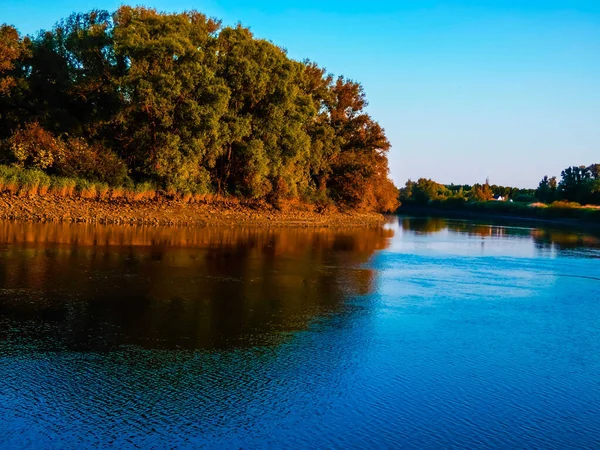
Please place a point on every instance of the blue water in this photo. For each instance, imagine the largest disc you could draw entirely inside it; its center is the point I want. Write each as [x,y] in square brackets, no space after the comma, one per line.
[429,334]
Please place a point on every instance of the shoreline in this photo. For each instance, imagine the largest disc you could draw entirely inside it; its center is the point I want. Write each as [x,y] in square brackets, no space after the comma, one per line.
[169,212]
[499,217]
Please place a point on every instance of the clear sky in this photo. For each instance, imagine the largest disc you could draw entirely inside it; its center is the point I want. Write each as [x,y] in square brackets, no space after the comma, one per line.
[505,89]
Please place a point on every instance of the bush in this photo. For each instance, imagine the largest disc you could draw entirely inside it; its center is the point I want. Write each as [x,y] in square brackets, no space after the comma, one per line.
[525,198]
[33,146]
[92,162]
[565,204]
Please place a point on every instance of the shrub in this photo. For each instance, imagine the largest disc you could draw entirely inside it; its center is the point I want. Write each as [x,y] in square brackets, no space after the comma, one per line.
[93,162]
[525,198]
[565,204]
[32,146]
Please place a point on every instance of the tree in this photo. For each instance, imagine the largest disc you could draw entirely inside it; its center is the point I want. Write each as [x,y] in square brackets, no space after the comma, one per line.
[172,102]
[269,112]
[546,191]
[178,100]
[576,184]
[362,160]
[481,193]
[13,52]
[11,49]
[425,190]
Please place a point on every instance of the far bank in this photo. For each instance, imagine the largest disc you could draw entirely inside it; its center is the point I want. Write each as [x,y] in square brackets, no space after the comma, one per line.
[509,213]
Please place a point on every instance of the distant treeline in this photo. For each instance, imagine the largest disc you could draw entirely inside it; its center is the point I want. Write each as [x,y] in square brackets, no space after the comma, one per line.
[184,103]
[579,185]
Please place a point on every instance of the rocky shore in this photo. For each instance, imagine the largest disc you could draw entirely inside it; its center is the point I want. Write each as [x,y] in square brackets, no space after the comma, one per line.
[163,211]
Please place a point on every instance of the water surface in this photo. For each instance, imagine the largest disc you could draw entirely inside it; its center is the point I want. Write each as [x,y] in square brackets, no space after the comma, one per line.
[426,334]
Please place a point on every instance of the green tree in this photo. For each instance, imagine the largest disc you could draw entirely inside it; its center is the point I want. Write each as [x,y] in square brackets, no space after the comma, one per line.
[576,184]
[267,105]
[181,101]
[425,190]
[172,102]
[546,191]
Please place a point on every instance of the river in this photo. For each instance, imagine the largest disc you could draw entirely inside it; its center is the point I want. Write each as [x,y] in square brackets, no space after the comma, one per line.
[428,333]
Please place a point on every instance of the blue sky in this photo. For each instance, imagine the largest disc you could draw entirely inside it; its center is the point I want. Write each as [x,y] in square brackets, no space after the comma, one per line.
[466,90]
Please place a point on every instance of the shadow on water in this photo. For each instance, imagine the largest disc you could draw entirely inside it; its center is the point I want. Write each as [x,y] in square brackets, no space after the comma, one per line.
[95,288]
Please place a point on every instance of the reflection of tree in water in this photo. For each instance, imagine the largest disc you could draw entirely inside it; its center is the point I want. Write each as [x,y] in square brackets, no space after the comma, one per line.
[487,230]
[547,239]
[423,225]
[94,287]
[431,225]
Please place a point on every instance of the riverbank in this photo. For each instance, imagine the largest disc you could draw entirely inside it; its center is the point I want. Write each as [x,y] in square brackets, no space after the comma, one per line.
[165,211]
[510,213]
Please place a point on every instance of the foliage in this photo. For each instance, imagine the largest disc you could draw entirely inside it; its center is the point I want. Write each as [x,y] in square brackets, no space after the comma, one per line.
[547,190]
[525,198]
[579,185]
[12,48]
[426,191]
[565,204]
[182,102]
[481,193]
[33,146]
[93,162]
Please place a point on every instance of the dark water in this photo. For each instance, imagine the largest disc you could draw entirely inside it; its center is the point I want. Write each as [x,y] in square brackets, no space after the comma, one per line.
[426,334]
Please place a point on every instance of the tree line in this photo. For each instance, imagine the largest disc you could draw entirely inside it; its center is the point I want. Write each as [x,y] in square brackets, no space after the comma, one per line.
[424,190]
[578,184]
[190,105]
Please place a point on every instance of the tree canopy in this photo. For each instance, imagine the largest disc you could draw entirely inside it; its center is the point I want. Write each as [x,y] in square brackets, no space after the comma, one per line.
[190,105]
[578,184]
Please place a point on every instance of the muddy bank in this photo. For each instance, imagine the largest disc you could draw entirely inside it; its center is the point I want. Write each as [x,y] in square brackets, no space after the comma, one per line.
[161,211]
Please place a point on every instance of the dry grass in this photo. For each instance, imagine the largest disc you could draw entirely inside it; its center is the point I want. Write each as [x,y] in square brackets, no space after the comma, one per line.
[116,193]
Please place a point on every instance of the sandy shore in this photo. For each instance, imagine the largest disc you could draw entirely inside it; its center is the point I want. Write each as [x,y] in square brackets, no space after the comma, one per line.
[163,211]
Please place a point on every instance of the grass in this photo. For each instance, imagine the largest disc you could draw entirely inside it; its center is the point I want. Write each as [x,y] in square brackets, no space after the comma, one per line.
[31,183]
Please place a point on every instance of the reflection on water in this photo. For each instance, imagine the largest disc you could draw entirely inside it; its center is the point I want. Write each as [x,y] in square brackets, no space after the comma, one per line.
[545,239]
[430,333]
[97,287]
